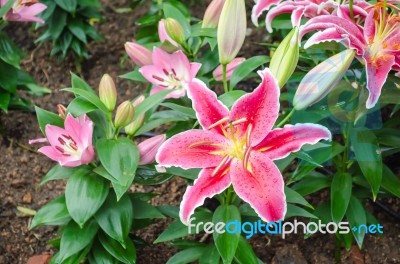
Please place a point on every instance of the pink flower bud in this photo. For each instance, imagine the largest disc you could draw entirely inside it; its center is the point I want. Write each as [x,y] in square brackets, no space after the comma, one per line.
[175,30]
[139,55]
[148,149]
[133,127]
[212,14]
[230,68]
[163,34]
[108,92]
[232,28]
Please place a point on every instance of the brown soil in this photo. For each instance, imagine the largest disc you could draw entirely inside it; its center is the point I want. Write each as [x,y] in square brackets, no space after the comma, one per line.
[21,168]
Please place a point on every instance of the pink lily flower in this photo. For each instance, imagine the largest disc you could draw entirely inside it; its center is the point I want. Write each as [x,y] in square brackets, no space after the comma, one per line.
[238,147]
[139,54]
[24,10]
[170,71]
[376,45]
[305,8]
[163,34]
[70,146]
[230,68]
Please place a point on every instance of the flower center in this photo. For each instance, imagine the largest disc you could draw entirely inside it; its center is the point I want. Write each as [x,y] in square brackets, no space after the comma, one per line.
[169,79]
[68,146]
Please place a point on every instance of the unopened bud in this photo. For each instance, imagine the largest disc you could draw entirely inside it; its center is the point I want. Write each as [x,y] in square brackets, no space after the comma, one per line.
[61,111]
[140,55]
[163,34]
[232,28]
[148,149]
[322,79]
[285,58]
[212,14]
[108,92]
[134,126]
[175,30]
[124,115]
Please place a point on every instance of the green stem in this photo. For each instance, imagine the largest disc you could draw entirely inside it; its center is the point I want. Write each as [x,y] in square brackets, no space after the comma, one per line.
[284,121]
[338,253]
[224,79]
[351,9]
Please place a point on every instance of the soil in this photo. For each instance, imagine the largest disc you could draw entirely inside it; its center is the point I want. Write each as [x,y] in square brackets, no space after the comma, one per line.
[21,168]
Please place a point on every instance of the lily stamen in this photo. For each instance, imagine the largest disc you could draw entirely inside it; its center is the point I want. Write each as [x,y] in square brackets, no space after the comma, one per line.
[220,122]
[225,161]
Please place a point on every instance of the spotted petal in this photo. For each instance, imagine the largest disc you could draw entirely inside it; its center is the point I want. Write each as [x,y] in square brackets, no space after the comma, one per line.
[262,188]
[192,149]
[205,186]
[260,108]
[281,142]
[209,109]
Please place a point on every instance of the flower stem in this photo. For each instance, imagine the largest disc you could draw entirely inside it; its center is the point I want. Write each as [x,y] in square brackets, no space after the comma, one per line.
[351,3]
[224,79]
[283,122]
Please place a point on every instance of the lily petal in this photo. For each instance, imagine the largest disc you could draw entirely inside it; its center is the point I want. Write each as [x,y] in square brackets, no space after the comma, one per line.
[191,149]
[262,188]
[377,73]
[259,109]
[205,186]
[260,7]
[281,142]
[285,7]
[209,109]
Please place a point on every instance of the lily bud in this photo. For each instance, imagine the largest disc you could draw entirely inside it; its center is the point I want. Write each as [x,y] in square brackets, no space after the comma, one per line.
[163,34]
[148,149]
[285,58]
[138,122]
[322,79]
[212,14]
[175,30]
[139,55]
[62,111]
[108,92]
[232,28]
[124,115]
[230,68]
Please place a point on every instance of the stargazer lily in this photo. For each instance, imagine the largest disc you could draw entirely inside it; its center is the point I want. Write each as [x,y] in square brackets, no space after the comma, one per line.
[377,44]
[238,147]
[70,146]
[305,8]
[170,71]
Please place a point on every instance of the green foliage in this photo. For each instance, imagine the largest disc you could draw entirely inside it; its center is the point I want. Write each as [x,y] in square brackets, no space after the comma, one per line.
[70,26]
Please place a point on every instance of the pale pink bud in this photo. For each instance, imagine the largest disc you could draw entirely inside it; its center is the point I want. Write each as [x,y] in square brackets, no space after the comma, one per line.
[230,68]
[139,55]
[232,28]
[163,34]
[108,92]
[175,30]
[133,127]
[212,14]
[148,149]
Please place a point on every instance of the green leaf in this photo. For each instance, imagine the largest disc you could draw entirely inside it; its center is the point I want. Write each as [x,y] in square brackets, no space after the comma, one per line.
[311,184]
[74,238]
[115,217]
[143,210]
[367,152]
[178,230]
[156,123]
[90,97]
[59,173]
[181,109]
[245,253]
[57,23]
[229,98]
[293,210]
[4,100]
[340,195]
[47,118]
[390,182]
[53,213]
[101,256]
[187,256]
[356,217]
[294,197]
[79,83]
[134,75]
[147,176]
[5,8]
[119,189]
[119,157]
[190,174]
[8,77]
[80,106]
[9,52]
[67,5]
[85,193]
[150,102]
[125,255]
[186,243]
[245,68]
[77,29]
[173,12]
[226,243]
